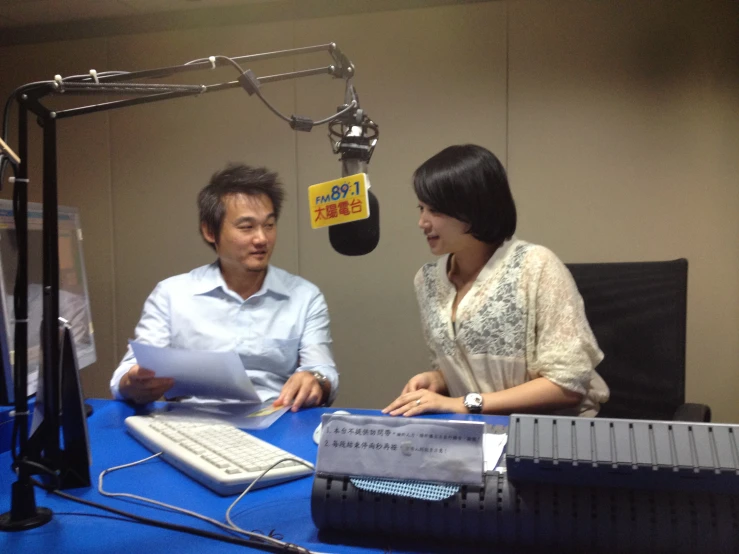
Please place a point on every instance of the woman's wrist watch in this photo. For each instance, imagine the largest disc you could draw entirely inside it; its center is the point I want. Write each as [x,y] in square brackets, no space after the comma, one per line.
[473,402]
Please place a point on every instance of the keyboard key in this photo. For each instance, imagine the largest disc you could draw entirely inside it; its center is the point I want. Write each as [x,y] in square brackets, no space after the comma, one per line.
[218,455]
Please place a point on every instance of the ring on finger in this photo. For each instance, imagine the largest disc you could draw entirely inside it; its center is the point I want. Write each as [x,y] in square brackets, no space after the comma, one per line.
[418,402]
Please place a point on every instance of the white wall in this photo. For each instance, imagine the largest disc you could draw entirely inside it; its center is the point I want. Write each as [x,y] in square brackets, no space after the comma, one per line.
[617,120]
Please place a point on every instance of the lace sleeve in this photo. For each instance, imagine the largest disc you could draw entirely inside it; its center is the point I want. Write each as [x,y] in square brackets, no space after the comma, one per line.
[566,351]
[421,296]
[433,358]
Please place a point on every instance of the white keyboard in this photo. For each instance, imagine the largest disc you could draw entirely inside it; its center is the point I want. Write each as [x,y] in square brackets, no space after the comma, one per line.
[221,457]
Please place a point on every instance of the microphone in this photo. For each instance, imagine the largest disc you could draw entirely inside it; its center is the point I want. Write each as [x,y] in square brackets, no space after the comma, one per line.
[357,238]
[354,136]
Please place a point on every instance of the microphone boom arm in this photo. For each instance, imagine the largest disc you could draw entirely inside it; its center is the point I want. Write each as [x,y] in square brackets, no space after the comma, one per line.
[43,449]
[115,82]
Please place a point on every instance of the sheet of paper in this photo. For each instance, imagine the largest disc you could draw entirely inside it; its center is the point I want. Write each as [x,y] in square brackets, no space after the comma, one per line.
[434,450]
[492,450]
[197,372]
[243,415]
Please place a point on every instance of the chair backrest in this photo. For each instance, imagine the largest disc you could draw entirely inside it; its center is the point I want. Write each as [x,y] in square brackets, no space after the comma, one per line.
[637,311]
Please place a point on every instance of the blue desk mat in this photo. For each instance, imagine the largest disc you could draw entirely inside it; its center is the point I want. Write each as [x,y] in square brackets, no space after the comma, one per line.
[282,510]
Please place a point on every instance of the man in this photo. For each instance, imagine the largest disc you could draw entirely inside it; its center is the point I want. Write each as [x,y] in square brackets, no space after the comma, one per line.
[277,322]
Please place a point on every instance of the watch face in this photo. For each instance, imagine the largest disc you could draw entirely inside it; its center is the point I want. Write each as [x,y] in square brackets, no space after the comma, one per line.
[473,402]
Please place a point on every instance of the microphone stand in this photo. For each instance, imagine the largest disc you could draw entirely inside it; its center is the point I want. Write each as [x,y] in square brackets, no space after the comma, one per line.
[61,404]
[354,136]
[24,513]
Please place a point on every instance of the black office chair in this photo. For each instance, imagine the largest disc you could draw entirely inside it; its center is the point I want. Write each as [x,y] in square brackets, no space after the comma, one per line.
[637,311]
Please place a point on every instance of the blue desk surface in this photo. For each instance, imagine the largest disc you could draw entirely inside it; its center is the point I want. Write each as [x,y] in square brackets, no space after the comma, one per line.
[282,509]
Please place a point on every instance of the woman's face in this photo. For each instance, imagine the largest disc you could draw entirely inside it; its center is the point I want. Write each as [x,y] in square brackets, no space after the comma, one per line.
[445,234]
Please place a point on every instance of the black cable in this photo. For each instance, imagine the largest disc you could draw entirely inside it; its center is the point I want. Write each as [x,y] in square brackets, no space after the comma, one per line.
[271,108]
[42,468]
[129,89]
[277,112]
[174,527]
[337,115]
[253,543]
[241,71]
[231,61]
[4,160]
[90,514]
[272,534]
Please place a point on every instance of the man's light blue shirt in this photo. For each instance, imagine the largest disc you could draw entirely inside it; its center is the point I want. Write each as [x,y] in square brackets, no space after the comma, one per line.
[281,329]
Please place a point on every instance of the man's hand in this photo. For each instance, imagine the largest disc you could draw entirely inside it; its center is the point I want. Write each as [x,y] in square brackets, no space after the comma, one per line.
[429,380]
[302,390]
[424,401]
[141,385]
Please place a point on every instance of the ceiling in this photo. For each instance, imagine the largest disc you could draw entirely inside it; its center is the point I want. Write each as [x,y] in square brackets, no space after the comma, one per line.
[24,13]
[32,21]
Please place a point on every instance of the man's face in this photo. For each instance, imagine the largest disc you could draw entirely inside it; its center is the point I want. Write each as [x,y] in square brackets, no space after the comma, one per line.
[248,234]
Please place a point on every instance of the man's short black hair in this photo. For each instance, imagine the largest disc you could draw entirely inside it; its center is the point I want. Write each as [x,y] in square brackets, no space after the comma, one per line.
[236,179]
[468,182]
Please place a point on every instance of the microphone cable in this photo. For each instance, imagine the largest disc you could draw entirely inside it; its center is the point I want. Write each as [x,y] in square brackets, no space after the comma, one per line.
[258,541]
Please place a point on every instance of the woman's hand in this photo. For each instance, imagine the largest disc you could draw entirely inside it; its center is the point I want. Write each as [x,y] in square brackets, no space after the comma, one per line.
[429,380]
[424,401]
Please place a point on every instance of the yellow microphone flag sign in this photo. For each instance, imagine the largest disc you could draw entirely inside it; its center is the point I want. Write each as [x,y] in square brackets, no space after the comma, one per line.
[339,201]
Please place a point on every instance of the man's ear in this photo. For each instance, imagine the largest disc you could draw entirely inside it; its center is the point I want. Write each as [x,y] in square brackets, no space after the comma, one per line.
[207,235]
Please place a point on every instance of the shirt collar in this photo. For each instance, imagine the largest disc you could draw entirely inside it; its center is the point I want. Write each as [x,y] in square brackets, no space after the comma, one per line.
[489,267]
[212,279]
[495,260]
[274,283]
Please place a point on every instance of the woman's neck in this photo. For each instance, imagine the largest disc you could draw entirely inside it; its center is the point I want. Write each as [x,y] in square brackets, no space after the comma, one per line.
[466,264]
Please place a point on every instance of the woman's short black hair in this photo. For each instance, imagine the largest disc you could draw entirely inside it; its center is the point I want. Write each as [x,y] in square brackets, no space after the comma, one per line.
[468,182]
[236,179]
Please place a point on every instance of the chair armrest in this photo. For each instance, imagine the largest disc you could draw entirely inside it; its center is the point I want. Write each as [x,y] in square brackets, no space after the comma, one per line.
[693,412]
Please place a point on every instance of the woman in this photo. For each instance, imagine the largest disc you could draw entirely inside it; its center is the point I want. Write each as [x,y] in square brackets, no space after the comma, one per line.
[502,317]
